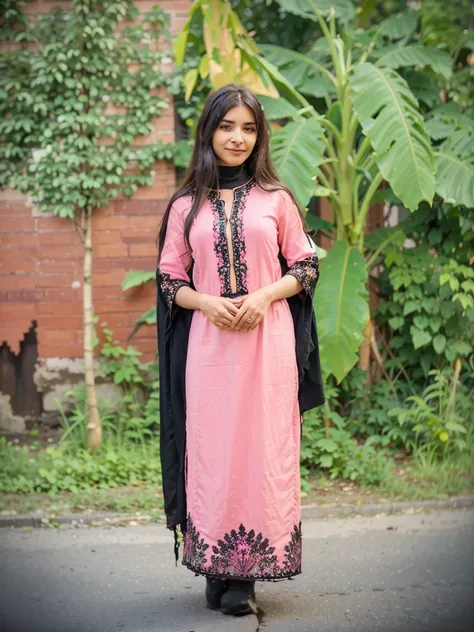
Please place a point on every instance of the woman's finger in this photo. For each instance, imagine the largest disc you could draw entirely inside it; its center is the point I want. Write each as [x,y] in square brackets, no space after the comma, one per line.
[233,309]
[256,323]
[226,318]
[251,325]
[242,322]
[238,318]
[245,324]
[238,300]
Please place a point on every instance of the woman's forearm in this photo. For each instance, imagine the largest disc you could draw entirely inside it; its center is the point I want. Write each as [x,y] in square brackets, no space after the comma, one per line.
[285,287]
[188,298]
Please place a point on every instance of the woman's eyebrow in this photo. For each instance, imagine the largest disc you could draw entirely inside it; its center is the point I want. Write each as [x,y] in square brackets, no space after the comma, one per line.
[233,122]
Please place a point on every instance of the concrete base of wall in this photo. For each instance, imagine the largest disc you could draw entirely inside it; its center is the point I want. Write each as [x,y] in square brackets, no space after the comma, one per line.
[58,378]
[9,423]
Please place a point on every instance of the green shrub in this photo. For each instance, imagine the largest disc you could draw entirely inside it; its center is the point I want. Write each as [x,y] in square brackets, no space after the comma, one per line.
[130,451]
[23,470]
[331,447]
[427,310]
[440,419]
[366,409]
[135,419]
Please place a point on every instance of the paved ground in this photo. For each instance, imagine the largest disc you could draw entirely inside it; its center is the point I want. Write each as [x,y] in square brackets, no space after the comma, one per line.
[411,573]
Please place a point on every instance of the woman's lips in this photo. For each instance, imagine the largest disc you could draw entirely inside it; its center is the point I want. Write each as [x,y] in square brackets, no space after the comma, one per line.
[237,151]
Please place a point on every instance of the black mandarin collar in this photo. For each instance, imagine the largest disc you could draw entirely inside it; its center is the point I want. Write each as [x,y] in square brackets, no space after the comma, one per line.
[232,177]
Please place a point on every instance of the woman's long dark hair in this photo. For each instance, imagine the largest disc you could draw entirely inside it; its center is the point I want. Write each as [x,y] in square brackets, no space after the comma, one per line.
[203,172]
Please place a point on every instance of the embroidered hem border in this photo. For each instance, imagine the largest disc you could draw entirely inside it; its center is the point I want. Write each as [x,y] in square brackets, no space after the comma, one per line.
[241,554]
[279,578]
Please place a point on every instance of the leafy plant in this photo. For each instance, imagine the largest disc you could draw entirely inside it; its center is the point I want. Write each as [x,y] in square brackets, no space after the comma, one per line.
[137,415]
[369,129]
[438,428]
[427,314]
[366,409]
[329,445]
[74,421]
[134,419]
[129,454]
[60,469]
[136,279]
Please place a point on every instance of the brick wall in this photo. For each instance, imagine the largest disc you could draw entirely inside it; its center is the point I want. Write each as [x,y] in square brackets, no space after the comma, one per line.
[41,256]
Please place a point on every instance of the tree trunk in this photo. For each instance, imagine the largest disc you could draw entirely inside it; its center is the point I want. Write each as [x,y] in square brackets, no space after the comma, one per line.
[94,428]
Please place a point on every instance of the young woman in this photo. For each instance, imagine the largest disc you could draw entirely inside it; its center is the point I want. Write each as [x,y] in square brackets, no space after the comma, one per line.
[238,353]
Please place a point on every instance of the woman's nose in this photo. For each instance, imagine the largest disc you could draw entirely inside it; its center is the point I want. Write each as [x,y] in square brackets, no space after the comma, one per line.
[237,137]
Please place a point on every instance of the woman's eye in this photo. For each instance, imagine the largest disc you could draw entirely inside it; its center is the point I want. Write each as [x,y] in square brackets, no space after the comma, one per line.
[225,127]
[250,130]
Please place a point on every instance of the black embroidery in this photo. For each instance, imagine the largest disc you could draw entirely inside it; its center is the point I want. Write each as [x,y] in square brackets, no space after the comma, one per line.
[169,287]
[244,555]
[194,548]
[238,240]
[220,243]
[293,551]
[307,272]
[241,554]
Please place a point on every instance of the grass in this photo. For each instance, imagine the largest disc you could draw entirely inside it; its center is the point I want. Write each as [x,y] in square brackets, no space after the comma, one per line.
[422,481]
[412,480]
[126,500]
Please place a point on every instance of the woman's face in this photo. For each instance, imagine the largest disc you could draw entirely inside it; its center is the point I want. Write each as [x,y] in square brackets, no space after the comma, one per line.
[235,136]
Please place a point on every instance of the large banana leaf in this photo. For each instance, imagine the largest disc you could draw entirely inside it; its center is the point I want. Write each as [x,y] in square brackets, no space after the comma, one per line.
[389,115]
[344,9]
[270,72]
[277,109]
[306,72]
[341,306]
[297,151]
[455,169]
[417,55]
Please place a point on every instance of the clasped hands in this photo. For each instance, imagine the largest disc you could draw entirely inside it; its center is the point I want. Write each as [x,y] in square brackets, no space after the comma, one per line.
[243,313]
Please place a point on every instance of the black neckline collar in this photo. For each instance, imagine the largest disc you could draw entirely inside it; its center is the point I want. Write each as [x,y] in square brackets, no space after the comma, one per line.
[233,177]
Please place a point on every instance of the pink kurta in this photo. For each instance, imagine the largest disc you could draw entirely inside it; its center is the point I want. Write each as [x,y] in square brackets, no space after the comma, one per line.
[242,418]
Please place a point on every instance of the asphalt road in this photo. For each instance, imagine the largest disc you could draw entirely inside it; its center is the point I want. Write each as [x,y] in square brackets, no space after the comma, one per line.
[410,573]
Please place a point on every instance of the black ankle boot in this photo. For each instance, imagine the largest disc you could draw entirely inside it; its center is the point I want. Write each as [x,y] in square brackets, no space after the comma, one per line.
[215,588]
[239,598]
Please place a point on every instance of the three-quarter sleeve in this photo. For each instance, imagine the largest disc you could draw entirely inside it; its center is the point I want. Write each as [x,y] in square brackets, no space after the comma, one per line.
[175,259]
[295,246]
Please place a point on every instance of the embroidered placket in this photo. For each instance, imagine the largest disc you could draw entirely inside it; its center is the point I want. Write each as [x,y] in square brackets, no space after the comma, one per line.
[221,246]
